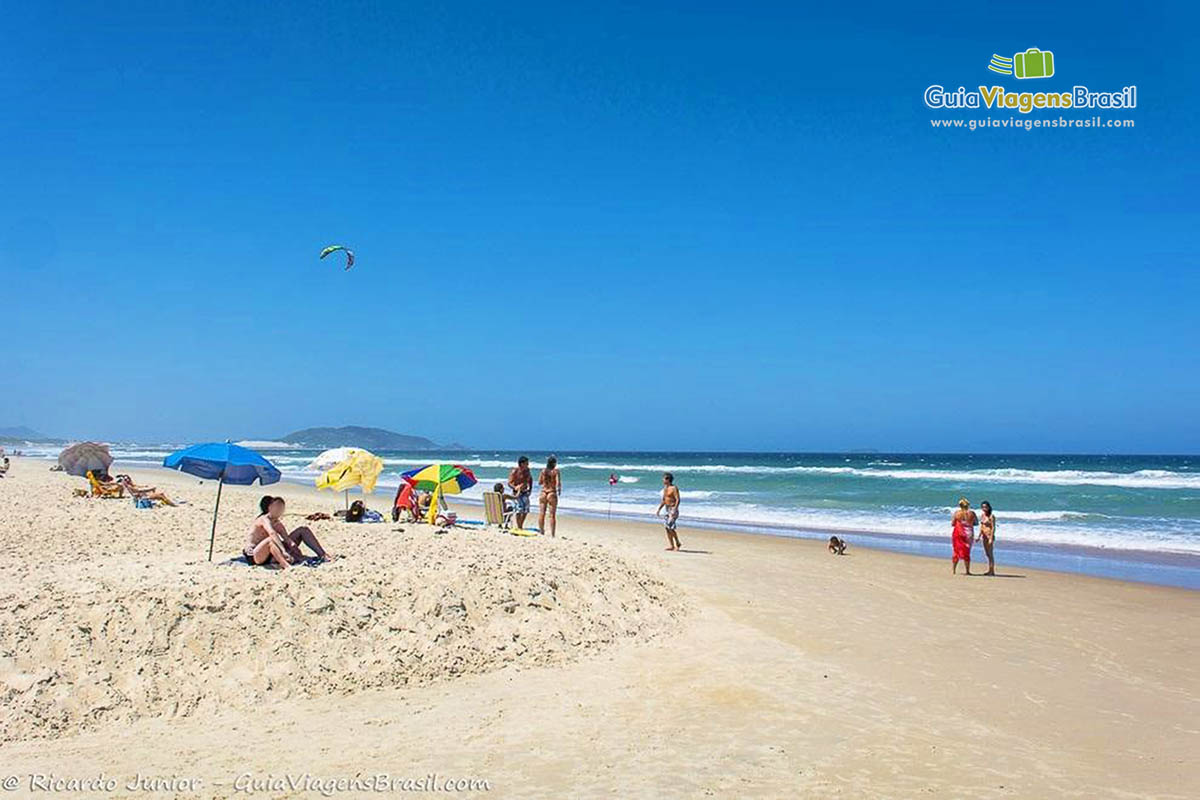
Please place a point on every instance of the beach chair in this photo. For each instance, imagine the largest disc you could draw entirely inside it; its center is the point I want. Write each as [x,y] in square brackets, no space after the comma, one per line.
[493,509]
[100,490]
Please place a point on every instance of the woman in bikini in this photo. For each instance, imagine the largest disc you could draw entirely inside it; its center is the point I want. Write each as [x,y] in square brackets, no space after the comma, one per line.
[551,482]
[269,538]
[987,534]
[143,492]
[963,533]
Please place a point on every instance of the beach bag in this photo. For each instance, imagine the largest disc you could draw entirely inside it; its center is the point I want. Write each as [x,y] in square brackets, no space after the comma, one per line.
[143,502]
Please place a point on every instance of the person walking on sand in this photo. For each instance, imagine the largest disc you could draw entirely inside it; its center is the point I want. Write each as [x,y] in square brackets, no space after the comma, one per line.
[551,482]
[987,534]
[963,533]
[670,502]
[520,480]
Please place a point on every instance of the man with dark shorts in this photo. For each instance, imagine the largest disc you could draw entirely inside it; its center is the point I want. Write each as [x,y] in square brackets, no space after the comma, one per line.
[520,480]
[670,502]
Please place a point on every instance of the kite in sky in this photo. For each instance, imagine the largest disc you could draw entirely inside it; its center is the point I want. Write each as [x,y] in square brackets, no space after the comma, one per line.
[333,248]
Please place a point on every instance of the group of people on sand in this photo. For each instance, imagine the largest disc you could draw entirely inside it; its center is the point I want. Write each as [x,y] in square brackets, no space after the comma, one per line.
[550,483]
[520,483]
[963,535]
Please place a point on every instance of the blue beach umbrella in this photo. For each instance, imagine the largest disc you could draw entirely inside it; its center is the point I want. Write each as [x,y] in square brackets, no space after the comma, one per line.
[227,463]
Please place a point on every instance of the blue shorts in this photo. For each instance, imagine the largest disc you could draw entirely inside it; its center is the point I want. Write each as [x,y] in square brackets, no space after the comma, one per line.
[521,504]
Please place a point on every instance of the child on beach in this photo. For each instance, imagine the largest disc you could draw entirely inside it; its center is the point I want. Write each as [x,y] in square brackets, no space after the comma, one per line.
[505,498]
[670,502]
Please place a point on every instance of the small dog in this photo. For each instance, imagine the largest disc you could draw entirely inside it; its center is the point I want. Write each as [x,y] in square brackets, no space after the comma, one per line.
[837,546]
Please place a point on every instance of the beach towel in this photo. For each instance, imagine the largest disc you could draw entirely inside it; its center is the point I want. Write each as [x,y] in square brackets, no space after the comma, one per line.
[244,561]
[961,543]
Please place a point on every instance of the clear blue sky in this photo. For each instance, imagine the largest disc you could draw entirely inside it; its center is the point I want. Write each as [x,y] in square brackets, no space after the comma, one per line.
[611,226]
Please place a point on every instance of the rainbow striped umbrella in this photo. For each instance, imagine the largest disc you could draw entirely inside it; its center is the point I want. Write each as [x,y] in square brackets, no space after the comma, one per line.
[440,479]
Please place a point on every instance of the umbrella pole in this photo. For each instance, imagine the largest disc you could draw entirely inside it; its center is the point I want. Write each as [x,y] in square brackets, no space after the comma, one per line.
[347,493]
[213,536]
[433,505]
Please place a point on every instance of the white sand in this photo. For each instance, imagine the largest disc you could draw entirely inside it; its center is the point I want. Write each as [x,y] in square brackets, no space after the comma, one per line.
[750,667]
[118,617]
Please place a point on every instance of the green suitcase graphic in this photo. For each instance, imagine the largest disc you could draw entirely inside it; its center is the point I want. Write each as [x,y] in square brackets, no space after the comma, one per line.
[1034,63]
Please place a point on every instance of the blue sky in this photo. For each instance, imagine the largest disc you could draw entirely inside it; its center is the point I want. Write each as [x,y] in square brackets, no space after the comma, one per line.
[609,226]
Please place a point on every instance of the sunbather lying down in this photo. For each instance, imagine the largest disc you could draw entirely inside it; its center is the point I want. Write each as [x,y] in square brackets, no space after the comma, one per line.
[143,492]
[104,486]
[271,541]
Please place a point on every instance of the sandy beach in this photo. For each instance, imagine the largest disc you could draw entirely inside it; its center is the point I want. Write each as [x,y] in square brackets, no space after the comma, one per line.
[592,665]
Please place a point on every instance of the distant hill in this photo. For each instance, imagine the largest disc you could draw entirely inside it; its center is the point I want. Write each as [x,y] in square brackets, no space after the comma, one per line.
[355,436]
[22,433]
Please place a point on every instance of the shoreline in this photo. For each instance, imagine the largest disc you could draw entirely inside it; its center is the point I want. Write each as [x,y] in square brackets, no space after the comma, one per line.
[1154,567]
[1157,568]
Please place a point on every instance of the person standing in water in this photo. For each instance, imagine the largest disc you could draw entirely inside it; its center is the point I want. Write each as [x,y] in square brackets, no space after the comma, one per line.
[551,482]
[987,534]
[964,532]
[670,502]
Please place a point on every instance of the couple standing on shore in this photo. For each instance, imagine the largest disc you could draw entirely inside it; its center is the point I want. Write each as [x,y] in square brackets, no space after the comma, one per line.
[964,521]
[520,480]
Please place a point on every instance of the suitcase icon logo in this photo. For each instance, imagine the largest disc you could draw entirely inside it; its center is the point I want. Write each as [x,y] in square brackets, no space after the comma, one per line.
[1033,63]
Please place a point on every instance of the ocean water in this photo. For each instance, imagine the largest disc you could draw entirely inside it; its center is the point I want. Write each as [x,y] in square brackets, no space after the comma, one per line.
[1063,511]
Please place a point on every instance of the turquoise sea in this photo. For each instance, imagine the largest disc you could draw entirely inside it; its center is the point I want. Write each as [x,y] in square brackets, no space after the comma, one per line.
[1127,516]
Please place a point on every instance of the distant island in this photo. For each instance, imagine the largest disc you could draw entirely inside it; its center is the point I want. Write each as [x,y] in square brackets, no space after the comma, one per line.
[370,438]
[21,434]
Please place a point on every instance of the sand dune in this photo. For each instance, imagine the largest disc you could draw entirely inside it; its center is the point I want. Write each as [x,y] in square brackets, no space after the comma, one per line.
[118,620]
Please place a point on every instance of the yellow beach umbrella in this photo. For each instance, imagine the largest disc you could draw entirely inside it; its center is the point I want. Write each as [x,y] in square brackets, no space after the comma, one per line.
[360,468]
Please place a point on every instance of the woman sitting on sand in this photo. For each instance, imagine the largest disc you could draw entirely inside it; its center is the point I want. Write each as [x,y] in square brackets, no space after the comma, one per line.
[269,538]
[964,531]
[143,492]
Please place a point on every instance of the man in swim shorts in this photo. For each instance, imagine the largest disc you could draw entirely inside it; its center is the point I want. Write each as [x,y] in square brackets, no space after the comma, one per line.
[520,480]
[670,502]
